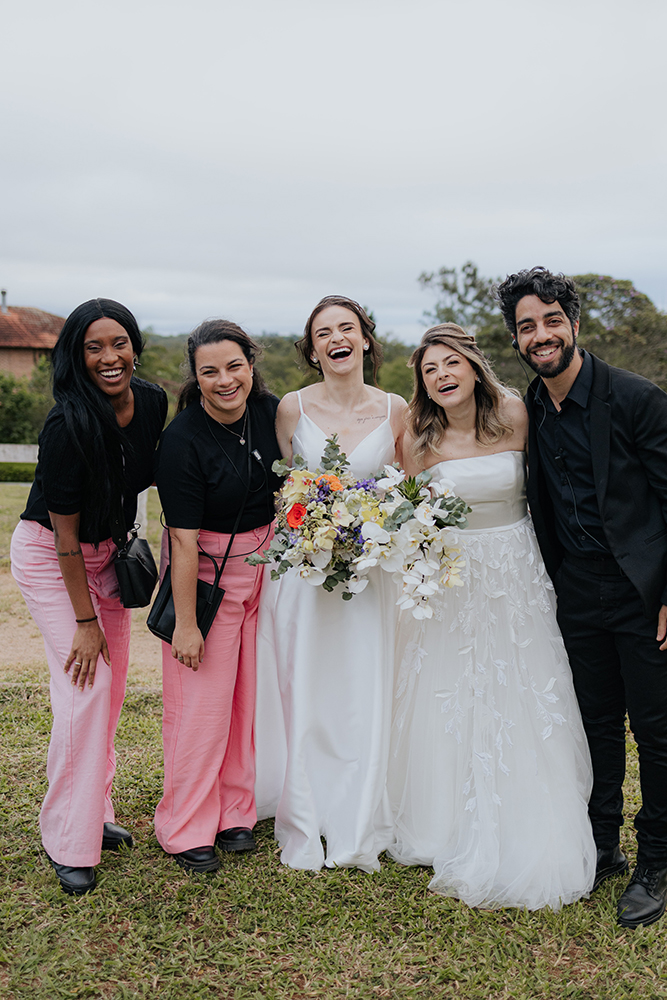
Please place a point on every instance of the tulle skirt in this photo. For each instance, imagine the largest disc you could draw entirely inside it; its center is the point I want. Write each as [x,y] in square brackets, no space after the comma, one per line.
[489,774]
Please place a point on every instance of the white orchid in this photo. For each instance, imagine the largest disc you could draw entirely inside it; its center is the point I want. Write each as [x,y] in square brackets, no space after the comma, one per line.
[334,531]
[392,478]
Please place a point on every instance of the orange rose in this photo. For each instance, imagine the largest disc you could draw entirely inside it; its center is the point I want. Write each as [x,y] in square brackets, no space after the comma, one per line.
[333,481]
[296,515]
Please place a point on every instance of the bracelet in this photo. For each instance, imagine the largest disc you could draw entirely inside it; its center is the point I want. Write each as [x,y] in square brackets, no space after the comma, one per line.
[82,621]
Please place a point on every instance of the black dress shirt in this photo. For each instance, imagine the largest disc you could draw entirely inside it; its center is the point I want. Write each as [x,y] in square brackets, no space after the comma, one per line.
[565,454]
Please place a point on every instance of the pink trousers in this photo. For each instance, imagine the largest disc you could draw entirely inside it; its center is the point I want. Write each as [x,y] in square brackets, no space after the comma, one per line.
[207,727]
[81,762]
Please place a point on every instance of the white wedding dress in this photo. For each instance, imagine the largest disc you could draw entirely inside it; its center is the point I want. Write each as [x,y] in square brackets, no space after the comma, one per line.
[489,773]
[324,696]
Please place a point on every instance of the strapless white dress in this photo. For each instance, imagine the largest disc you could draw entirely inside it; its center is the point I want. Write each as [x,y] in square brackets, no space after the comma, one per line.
[489,773]
[324,697]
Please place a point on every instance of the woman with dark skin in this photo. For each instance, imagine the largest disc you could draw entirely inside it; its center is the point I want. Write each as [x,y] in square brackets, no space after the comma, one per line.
[96,453]
[214,461]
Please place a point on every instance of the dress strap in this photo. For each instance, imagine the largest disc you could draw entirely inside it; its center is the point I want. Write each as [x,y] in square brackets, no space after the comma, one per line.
[298,396]
[388,405]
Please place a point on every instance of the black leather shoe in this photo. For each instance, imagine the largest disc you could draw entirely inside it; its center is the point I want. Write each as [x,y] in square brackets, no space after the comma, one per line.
[75,881]
[645,898]
[115,837]
[237,838]
[611,861]
[199,859]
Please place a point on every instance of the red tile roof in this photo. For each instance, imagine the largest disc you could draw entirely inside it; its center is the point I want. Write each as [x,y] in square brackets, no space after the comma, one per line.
[22,326]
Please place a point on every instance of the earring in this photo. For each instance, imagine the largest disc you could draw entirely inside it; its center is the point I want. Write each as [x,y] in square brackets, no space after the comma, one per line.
[477,378]
[367,346]
[428,394]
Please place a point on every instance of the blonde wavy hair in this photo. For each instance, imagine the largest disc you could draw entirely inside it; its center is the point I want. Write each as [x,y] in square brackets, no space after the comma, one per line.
[427,421]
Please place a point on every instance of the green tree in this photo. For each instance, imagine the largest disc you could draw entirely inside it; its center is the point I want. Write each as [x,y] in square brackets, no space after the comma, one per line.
[39,386]
[623,326]
[394,375]
[465,297]
[16,411]
[281,366]
[618,323]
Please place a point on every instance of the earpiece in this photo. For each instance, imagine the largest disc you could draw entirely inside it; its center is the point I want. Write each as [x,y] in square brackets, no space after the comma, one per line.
[515,343]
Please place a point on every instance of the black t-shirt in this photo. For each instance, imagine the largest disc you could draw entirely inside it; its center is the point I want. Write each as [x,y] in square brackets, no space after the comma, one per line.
[60,473]
[202,469]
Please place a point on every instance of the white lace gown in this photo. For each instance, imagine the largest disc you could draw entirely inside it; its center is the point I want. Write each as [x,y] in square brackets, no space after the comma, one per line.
[489,773]
[324,697]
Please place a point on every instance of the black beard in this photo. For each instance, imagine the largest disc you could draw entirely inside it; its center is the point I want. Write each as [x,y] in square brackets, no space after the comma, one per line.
[555,367]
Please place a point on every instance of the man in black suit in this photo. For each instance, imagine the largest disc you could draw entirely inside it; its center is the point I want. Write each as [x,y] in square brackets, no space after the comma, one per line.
[597,489]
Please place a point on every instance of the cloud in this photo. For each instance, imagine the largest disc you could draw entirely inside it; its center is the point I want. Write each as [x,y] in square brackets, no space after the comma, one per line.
[217,157]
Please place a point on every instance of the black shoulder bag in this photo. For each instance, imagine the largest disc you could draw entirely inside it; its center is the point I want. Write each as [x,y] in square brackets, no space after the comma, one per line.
[135,567]
[162,617]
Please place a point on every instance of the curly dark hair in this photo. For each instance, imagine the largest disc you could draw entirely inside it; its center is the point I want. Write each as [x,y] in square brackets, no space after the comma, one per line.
[542,283]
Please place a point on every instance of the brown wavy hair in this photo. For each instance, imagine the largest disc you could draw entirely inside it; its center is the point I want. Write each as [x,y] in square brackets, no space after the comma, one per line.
[427,421]
[214,331]
[305,345]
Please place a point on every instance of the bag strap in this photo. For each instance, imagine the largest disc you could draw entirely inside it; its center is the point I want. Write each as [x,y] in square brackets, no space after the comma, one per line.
[219,569]
[118,529]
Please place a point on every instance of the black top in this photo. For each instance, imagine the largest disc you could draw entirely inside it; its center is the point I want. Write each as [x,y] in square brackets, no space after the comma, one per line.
[565,453]
[60,472]
[202,470]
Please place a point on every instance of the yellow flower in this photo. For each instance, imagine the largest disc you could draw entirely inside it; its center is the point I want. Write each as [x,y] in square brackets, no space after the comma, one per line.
[296,486]
[341,515]
[324,537]
[371,512]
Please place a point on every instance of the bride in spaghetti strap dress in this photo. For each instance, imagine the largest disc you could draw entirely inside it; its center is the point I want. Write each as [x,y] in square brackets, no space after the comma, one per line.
[325,666]
[489,773]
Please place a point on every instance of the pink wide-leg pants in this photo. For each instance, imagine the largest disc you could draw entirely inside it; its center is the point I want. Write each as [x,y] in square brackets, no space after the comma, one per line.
[81,761]
[207,724]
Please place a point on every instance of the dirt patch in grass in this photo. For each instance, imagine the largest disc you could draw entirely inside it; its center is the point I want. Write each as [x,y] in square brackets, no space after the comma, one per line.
[22,655]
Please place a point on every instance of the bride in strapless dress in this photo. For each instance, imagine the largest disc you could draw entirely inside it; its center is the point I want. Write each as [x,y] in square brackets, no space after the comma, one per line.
[489,773]
[325,666]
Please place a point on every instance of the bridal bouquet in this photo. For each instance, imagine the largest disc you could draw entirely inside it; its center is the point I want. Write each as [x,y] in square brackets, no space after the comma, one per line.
[334,528]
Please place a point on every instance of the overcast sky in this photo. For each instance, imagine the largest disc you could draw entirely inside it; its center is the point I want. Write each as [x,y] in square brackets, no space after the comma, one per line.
[207,158]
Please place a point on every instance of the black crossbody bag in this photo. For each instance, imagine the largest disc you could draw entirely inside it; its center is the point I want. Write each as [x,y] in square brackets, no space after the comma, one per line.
[162,617]
[135,566]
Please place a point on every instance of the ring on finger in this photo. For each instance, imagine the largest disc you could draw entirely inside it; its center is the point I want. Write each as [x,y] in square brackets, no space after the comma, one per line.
[180,659]
[77,663]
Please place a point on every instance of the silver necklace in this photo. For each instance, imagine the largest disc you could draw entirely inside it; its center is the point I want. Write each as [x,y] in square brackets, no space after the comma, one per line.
[240,436]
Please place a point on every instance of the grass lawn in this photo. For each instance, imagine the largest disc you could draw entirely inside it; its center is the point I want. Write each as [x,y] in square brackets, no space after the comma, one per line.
[256,929]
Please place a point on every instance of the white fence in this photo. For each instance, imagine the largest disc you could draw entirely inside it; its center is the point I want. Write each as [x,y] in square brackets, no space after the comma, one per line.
[28,453]
[18,452]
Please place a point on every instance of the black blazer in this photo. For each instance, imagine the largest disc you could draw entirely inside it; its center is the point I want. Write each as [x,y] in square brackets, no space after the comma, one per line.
[629,452]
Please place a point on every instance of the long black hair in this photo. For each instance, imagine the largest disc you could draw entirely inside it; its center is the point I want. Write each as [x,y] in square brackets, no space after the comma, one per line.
[214,331]
[89,416]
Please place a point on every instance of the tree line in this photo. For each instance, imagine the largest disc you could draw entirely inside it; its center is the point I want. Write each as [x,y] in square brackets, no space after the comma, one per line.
[618,323]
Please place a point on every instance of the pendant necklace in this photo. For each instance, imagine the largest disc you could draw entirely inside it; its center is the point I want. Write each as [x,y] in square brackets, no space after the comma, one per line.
[240,436]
